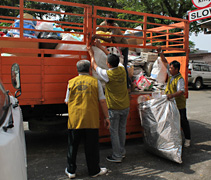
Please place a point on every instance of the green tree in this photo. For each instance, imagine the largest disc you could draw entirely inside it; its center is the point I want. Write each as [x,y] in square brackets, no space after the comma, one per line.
[172,8]
[27,4]
[192,44]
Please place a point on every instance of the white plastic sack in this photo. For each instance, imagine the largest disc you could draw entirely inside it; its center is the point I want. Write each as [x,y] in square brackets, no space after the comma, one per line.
[159,71]
[100,59]
[45,26]
[73,47]
[133,31]
[160,119]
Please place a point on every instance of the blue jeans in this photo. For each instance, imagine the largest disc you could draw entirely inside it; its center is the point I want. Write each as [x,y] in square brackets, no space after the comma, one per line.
[118,119]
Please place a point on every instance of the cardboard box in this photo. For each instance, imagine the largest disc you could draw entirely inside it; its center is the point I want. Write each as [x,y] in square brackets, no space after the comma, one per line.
[130,69]
[149,56]
[134,41]
[139,50]
[19,44]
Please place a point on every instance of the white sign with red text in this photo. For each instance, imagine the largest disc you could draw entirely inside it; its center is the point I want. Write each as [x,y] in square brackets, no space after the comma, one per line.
[201,3]
[198,14]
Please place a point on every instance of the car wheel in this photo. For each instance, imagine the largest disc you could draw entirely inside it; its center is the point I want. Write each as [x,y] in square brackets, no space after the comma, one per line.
[198,84]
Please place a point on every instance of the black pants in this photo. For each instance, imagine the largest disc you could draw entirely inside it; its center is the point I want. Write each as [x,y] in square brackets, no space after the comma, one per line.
[184,123]
[91,145]
[125,54]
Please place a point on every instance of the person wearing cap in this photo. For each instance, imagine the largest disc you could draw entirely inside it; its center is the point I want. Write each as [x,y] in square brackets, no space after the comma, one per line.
[117,99]
[114,39]
[84,93]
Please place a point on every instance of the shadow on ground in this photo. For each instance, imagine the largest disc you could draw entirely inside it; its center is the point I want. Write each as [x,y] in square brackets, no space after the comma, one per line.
[46,153]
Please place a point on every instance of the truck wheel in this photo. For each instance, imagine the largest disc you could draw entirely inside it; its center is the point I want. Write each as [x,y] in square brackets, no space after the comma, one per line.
[198,84]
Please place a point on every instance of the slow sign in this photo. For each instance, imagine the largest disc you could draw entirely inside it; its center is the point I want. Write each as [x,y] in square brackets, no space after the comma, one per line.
[199,14]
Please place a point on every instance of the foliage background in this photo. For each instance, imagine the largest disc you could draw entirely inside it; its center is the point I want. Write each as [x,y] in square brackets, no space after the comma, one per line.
[172,8]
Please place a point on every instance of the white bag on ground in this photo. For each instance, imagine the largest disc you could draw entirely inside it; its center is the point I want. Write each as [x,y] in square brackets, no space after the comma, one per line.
[160,119]
[159,71]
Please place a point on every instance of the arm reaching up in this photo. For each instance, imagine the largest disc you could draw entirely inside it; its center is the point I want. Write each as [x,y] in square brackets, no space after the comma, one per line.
[96,36]
[163,59]
[99,45]
[91,53]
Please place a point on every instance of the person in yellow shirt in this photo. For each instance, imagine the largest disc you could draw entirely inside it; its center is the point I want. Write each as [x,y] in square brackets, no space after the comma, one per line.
[83,95]
[117,99]
[175,89]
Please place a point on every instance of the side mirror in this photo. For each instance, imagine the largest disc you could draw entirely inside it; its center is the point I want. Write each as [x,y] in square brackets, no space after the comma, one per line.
[15,77]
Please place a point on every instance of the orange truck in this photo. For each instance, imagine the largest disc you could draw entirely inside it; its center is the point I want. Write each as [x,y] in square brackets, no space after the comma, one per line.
[44,73]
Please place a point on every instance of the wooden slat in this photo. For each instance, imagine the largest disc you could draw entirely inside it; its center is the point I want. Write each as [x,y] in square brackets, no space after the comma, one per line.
[58,78]
[55,95]
[60,70]
[60,61]
[54,87]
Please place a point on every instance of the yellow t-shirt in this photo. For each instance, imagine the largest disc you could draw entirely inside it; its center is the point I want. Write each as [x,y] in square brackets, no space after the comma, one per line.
[116,92]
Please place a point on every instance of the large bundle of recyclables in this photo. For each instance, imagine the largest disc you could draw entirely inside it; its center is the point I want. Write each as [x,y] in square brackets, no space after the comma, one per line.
[161,122]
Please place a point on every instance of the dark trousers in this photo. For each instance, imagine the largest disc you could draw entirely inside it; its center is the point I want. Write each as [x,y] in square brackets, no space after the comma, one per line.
[91,145]
[184,123]
[125,54]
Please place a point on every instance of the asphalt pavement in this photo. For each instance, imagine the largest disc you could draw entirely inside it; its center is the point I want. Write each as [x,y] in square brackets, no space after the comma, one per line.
[46,152]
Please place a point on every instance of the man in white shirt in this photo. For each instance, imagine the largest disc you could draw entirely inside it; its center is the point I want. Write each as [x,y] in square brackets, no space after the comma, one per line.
[117,99]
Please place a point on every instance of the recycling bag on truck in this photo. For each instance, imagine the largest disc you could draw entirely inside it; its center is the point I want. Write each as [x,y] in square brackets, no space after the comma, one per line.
[160,119]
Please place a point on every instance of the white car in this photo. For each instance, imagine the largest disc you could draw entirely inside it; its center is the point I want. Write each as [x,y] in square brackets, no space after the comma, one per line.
[199,74]
[12,138]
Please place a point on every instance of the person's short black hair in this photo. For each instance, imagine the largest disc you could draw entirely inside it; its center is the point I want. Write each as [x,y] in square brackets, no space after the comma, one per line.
[113,60]
[83,66]
[175,64]
[111,21]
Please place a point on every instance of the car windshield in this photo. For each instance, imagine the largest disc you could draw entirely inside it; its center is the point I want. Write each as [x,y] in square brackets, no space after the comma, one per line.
[4,104]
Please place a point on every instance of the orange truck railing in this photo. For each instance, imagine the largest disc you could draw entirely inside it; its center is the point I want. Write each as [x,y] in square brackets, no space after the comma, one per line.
[44,79]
